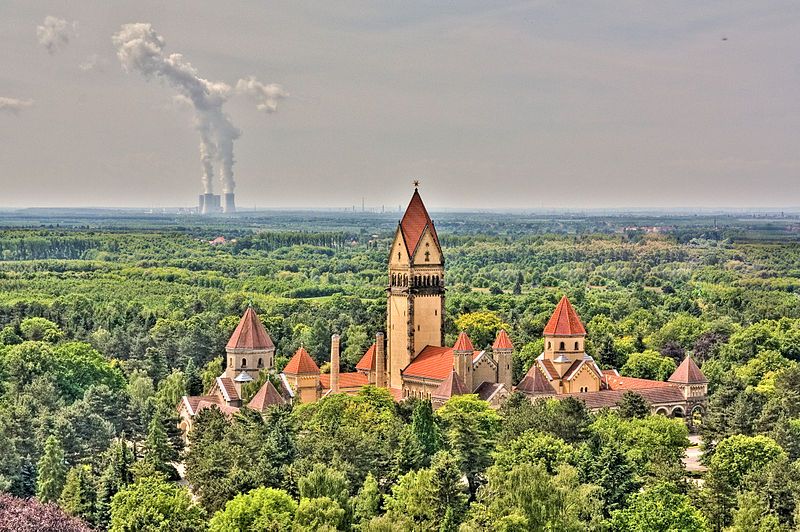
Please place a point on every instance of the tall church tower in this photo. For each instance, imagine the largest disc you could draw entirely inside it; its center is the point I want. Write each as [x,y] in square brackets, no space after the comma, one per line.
[415,302]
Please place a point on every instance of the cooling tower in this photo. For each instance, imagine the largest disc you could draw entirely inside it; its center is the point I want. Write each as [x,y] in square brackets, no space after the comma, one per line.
[209,204]
[229,205]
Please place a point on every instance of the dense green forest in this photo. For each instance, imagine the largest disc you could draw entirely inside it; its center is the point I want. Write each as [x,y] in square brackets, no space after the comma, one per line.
[106,322]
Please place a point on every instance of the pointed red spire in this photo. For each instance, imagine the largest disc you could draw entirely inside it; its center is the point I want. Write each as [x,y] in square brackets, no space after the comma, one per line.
[250,333]
[502,341]
[463,343]
[266,396]
[564,321]
[301,362]
[414,222]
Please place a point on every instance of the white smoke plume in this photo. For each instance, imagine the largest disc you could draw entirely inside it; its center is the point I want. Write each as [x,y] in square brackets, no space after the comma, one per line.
[93,63]
[54,33]
[265,96]
[14,105]
[141,49]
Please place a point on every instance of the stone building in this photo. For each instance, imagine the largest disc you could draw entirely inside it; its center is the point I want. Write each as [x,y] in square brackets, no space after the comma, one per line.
[412,360]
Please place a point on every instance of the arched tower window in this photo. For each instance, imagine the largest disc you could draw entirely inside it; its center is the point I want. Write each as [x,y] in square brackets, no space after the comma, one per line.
[561,346]
[549,345]
[260,363]
[576,346]
[244,362]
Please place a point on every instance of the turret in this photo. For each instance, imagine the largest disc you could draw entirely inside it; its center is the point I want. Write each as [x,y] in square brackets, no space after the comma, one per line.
[250,349]
[463,352]
[303,375]
[564,335]
[503,351]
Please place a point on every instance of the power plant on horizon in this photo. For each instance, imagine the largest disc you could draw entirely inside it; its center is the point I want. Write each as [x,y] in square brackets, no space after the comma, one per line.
[210,203]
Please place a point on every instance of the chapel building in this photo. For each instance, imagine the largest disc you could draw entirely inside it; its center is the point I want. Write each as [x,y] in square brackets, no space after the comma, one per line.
[412,360]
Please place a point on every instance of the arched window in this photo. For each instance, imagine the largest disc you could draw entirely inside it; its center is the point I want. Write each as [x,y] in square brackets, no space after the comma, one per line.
[576,346]
[260,363]
[230,362]
[561,346]
[398,255]
[427,256]
[244,362]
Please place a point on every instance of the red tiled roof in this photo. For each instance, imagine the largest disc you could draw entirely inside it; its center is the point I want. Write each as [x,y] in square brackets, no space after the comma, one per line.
[226,386]
[487,390]
[265,397]
[616,382]
[564,321]
[367,362]
[550,369]
[301,362]
[463,343]
[502,341]
[688,373]
[452,385]
[414,222]
[250,333]
[609,398]
[433,363]
[225,409]
[535,383]
[346,380]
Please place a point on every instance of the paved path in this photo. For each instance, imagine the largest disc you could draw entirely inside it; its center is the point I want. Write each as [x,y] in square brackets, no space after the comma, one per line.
[691,460]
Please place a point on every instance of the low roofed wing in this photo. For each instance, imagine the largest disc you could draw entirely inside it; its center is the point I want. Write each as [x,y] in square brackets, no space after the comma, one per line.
[266,396]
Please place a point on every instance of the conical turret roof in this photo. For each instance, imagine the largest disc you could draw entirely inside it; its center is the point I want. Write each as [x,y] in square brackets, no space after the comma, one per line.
[564,321]
[502,341]
[688,373]
[266,396]
[250,333]
[301,362]
[463,343]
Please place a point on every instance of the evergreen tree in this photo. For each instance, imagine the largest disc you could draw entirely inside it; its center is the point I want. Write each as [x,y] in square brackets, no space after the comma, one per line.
[78,495]
[52,471]
[367,503]
[26,482]
[450,490]
[159,452]
[116,475]
[425,430]
[632,405]
[194,384]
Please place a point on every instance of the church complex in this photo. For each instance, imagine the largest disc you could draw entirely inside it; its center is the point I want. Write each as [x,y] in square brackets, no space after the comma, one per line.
[412,360]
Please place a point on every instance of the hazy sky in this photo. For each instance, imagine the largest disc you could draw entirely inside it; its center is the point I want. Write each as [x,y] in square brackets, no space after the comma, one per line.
[492,104]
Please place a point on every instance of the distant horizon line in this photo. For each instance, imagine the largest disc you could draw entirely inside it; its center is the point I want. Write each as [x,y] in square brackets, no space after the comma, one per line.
[792,210]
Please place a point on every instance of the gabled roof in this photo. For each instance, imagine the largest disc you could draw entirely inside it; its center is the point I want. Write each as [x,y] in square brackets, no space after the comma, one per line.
[250,334]
[564,321]
[433,362]
[535,383]
[414,222]
[502,341]
[301,362]
[609,398]
[578,364]
[354,380]
[617,382]
[488,390]
[227,389]
[463,343]
[265,397]
[452,385]
[367,362]
[688,373]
